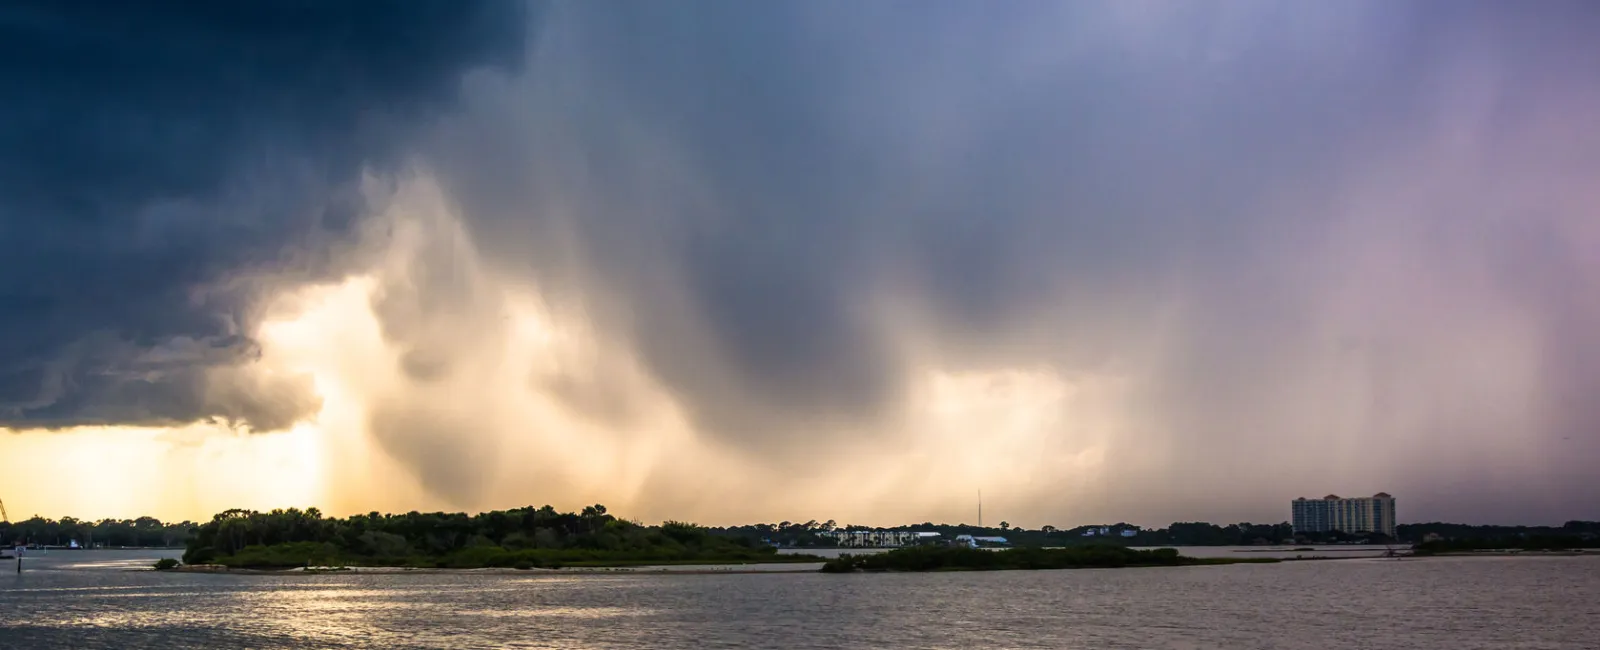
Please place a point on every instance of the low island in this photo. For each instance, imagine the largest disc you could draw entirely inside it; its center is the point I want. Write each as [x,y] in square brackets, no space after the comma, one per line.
[955,558]
[1537,544]
[523,538]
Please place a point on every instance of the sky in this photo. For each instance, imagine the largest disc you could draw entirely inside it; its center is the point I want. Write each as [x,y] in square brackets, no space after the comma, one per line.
[1103,261]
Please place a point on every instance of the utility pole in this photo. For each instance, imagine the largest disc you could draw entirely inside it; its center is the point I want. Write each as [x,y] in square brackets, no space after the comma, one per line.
[7,518]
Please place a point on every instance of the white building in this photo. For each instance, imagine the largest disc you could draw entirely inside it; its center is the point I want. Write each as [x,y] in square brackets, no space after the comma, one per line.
[1374,514]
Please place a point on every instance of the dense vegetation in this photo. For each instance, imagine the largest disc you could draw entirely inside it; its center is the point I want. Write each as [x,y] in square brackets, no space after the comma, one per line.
[1528,543]
[948,558]
[1581,530]
[521,538]
[141,532]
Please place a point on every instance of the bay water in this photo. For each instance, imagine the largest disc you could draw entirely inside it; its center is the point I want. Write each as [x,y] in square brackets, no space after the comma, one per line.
[105,599]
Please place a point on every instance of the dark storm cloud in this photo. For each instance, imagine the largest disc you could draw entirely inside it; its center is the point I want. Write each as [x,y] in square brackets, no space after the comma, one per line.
[1265,212]
[154,153]
[778,161]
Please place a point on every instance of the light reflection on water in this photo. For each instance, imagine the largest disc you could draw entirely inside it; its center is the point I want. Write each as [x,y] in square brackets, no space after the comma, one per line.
[1466,603]
[573,612]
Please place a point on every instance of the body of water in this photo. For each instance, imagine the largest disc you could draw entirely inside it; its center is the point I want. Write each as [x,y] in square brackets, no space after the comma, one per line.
[95,599]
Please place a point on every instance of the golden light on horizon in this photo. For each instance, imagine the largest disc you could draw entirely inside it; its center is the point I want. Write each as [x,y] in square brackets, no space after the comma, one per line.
[176,474]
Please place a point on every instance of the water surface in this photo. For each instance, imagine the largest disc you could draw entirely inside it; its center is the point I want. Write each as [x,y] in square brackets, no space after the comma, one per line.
[89,599]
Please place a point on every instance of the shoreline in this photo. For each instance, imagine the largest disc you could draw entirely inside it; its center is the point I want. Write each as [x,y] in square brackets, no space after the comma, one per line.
[794,567]
[1511,552]
[730,569]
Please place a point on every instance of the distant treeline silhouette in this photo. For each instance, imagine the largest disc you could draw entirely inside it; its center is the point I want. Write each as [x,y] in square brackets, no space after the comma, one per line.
[141,532]
[1089,556]
[519,538]
[432,535]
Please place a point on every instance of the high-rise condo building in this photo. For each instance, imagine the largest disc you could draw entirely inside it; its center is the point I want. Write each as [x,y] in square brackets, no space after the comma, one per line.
[1374,514]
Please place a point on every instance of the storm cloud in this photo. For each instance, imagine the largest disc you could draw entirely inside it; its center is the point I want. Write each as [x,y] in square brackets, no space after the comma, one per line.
[1260,249]
[160,159]
[1324,244]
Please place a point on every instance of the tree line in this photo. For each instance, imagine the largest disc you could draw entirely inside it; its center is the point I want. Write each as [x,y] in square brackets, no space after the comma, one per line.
[115,533]
[522,538]
[593,528]
[1421,532]
[1090,556]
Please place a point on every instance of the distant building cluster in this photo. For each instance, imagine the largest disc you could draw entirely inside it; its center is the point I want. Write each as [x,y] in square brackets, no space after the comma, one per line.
[898,538]
[1374,514]
[877,538]
[1107,531]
